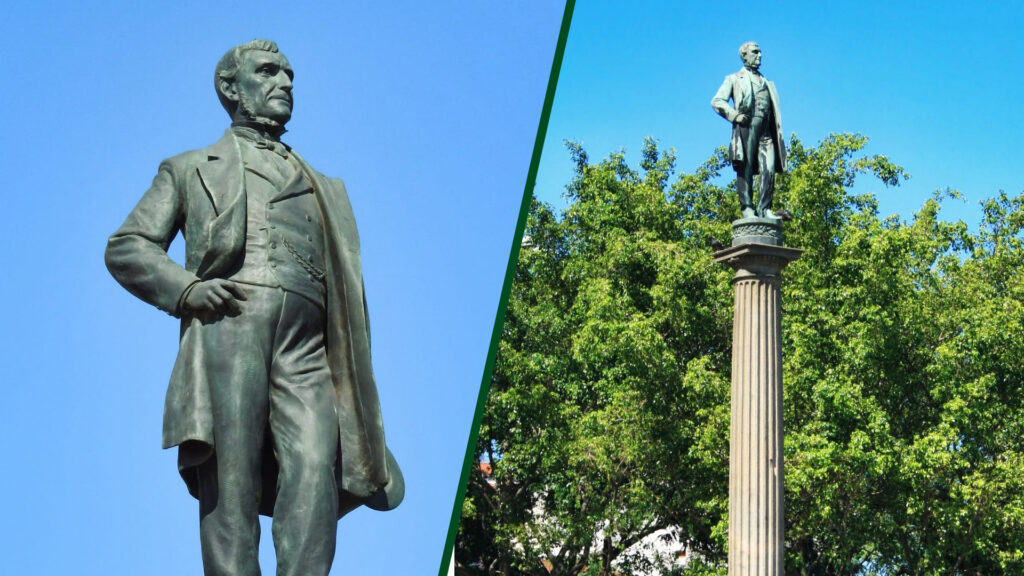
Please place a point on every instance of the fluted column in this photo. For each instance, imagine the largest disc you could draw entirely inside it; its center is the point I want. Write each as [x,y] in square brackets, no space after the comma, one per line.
[756,518]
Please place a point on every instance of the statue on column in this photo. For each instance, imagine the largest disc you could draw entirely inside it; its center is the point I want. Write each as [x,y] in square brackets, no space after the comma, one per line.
[272,402]
[757,146]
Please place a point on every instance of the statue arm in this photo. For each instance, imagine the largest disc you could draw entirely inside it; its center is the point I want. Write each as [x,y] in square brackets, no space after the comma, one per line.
[136,254]
[720,102]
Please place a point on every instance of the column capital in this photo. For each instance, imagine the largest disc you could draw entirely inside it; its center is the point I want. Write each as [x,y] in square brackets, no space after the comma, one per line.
[754,259]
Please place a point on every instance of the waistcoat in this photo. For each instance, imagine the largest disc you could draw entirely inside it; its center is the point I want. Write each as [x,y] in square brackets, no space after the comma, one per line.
[284,239]
[762,100]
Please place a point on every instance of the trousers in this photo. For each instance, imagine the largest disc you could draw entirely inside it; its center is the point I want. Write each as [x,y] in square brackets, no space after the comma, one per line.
[760,153]
[273,392]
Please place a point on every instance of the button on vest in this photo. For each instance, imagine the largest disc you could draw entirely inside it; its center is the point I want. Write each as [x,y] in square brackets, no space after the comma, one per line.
[762,101]
[296,249]
[284,240]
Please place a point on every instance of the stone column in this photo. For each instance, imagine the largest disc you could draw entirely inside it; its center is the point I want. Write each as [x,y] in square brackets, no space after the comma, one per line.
[756,519]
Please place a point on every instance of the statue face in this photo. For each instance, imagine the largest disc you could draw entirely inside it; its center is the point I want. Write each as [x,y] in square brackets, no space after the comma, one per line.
[264,87]
[752,57]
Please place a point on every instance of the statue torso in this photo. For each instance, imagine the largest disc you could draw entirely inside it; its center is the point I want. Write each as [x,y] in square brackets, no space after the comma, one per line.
[284,239]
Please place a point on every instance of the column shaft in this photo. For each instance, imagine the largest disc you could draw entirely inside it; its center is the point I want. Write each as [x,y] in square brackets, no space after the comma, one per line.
[755,456]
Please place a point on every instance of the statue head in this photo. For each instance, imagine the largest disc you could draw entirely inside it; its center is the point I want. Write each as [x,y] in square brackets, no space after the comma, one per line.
[750,53]
[254,84]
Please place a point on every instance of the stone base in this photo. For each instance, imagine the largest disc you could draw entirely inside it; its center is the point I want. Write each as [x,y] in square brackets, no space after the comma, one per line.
[757,231]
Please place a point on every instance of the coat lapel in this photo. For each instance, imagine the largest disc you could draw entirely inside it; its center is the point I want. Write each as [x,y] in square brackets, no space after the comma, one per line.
[746,91]
[222,172]
[224,183]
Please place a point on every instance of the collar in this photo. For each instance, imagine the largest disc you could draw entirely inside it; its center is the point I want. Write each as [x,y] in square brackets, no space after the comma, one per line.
[259,138]
[250,130]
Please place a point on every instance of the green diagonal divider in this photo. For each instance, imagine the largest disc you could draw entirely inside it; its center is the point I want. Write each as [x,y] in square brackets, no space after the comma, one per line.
[510,271]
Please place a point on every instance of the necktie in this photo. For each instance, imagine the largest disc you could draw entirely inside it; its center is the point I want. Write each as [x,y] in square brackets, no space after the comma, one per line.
[260,141]
[265,144]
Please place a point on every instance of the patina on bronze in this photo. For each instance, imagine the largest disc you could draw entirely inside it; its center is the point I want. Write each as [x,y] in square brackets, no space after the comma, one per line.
[756,146]
[272,401]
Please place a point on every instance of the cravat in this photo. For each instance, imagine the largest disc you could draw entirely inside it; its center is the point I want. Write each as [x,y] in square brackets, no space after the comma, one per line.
[261,142]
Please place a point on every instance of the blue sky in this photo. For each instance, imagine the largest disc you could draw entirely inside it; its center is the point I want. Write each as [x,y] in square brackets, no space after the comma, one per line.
[428,111]
[936,86]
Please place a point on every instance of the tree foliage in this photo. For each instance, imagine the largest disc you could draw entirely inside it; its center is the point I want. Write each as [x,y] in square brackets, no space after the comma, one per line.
[903,351]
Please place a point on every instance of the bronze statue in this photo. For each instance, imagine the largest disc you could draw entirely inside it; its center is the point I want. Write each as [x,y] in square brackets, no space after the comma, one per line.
[272,401]
[757,145]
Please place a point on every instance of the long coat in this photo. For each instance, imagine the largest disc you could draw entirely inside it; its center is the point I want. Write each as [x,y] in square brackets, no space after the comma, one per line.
[739,88]
[202,194]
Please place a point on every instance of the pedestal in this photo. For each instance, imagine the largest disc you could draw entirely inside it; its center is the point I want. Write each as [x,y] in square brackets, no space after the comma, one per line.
[756,519]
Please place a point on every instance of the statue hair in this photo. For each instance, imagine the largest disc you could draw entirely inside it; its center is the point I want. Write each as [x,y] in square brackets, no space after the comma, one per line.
[227,68]
[745,47]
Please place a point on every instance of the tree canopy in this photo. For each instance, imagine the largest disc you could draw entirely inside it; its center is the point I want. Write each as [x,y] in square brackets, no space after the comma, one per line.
[903,374]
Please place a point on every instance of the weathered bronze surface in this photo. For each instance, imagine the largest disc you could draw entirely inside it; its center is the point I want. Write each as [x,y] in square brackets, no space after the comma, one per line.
[272,401]
[757,145]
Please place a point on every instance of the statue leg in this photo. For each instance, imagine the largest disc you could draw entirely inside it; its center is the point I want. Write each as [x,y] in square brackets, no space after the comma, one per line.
[304,427]
[743,189]
[230,482]
[745,180]
[766,181]
[753,155]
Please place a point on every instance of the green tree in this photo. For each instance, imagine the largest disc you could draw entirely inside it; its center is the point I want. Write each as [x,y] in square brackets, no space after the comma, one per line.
[608,414]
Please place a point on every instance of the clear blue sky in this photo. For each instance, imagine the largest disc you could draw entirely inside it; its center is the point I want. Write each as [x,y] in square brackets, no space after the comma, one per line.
[428,110]
[938,87]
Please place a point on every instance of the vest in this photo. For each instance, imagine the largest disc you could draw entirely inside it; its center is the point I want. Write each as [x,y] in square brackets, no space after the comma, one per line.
[284,239]
[762,100]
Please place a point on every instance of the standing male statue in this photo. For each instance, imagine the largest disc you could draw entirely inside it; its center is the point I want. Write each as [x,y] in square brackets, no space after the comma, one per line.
[272,402]
[757,146]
